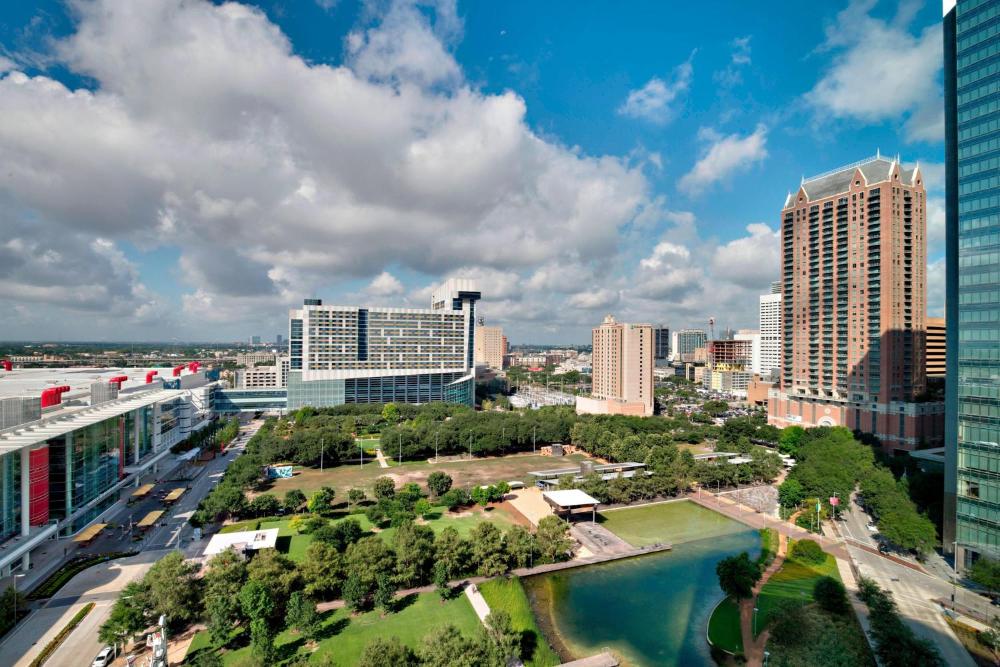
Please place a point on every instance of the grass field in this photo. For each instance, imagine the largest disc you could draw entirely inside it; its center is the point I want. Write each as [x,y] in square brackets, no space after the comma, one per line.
[794,581]
[724,627]
[667,523]
[344,636]
[508,595]
[464,473]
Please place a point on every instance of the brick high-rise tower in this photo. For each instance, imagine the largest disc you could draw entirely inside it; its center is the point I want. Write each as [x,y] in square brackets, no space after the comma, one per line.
[854,260]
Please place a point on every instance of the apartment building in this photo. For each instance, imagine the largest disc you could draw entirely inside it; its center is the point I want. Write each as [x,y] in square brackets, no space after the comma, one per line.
[622,370]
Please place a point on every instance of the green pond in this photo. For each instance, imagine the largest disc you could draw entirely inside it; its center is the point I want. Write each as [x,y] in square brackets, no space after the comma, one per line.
[651,610]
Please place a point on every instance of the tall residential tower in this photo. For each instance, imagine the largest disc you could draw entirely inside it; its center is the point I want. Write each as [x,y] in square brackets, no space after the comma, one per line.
[622,372]
[853,283]
[972,208]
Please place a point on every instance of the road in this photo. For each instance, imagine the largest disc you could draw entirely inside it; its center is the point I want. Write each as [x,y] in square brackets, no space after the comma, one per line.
[102,583]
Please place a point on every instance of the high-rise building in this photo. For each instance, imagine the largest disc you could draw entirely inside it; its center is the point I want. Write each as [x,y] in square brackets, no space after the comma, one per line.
[353,354]
[622,370]
[972,389]
[491,346]
[689,340]
[753,337]
[854,299]
[661,342]
[935,347]
[255,340]
[730,362]
[278,340]
[770,332]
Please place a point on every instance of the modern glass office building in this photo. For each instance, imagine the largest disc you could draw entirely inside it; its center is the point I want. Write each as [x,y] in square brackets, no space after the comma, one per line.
[972,126]
[354,354]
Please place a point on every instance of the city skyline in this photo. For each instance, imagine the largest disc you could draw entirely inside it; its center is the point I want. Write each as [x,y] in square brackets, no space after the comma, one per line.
[684,159]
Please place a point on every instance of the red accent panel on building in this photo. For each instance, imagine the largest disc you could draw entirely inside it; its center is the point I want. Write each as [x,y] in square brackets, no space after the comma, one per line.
[7,366]
[118,379]
[194,366]
[178,369]
[149,376]
[53,396]
[121,447]
[38,486]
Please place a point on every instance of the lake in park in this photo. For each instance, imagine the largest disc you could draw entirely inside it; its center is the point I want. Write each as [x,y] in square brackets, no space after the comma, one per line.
[651,610]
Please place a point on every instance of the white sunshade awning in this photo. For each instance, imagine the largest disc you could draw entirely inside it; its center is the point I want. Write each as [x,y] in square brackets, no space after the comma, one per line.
[570,498]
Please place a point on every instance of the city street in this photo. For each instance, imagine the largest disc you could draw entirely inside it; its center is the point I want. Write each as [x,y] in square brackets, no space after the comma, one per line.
[102,583]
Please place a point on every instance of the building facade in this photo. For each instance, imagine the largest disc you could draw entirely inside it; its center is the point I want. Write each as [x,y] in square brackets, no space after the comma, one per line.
[264,377]
[621,370]
[687,341]
[661,343]
[491,346]
[854,301]
[770,332]
[251,359]
[353,354]
[972,208]
[936,345]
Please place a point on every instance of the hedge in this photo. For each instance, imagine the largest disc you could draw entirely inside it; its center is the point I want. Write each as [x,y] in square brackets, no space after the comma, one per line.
[51,647]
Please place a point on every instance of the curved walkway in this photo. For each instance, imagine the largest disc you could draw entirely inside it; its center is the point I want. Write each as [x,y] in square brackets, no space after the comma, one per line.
[753,647]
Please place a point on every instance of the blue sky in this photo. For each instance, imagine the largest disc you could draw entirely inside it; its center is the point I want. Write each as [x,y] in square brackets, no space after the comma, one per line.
[192,170]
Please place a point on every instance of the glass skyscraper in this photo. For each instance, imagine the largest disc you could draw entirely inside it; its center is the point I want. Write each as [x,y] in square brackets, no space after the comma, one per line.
[972,127]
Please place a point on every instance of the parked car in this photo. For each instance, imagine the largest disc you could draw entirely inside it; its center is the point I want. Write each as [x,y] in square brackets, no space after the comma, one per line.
[104,658]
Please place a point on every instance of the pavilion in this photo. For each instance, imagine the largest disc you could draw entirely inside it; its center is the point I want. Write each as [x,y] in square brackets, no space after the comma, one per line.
[566,501]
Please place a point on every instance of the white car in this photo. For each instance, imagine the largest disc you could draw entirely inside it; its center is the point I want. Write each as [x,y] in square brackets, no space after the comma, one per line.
[872,528]
[104,658]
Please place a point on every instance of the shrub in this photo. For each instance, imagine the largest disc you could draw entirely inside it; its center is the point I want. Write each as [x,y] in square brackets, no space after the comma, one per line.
[809,552]
[830,595]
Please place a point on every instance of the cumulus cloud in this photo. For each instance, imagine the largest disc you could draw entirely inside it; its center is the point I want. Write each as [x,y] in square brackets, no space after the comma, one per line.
[594,299]
[881,71]
[385,284]
[275,177]
[659,99]
[750,260]
[725,155]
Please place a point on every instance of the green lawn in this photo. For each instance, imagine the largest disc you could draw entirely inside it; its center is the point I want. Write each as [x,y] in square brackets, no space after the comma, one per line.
[508,595]
[724,627]
[344,636]
[794,581]
[667,523]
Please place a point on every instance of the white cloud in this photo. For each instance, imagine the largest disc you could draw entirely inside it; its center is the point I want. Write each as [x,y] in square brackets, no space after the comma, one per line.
[655,101]
[594,299]
[935,226]
[936,284]
[750,260]
[733,73]
[724,156]
[385,284]
[275,178]
[882,71]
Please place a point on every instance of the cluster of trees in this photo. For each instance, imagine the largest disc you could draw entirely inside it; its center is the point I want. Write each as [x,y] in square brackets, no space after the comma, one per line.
[895,643]
[218,434]
[10,603]
[831,462]
[497,645]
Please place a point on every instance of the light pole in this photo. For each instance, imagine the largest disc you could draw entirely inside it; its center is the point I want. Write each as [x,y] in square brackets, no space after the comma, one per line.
[534,433]
[767,654]
[437,438]
[400,449]
[322,448]
[470,445]
[755,610]
[16,577]
[954,567]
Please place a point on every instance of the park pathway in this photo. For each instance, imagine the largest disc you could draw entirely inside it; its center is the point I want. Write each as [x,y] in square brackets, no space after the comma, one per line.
[382,463]
[753,647]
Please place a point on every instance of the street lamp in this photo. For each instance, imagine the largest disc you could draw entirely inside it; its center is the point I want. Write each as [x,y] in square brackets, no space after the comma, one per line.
[767,654]
[755,610]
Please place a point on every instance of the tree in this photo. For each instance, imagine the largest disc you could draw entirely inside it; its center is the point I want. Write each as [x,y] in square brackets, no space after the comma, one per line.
[258,605]
[355,593]
[552,538]
[355,496]
[302,615]
[423,507]
[368,558]
[340,535]
[790,492]
[390,413]
[447,647]
[831,595]
[441,581]
[294,500]
[384,487]
[788,624]
[387,653]
[438,483]
[414,546]
[322,500]
[223,580]
[738,575]
[173,590]
[275,573]
[264,505]
[789,440]
[520,546]
[488,550]
[127,616]
[454,498]
[451,552]
[322,570]
[986,572]
[385,593]
[504,640]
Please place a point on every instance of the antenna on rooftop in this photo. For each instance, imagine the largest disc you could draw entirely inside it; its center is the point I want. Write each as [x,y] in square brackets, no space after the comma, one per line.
[711,328]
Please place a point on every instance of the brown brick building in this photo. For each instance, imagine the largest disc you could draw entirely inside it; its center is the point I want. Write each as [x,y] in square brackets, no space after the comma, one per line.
[853,266]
